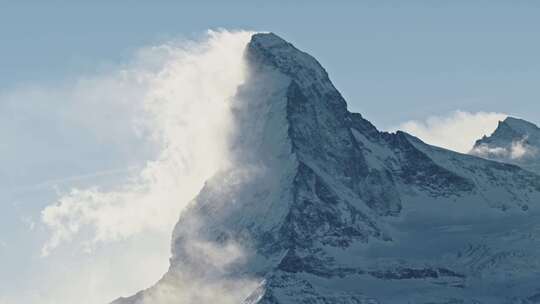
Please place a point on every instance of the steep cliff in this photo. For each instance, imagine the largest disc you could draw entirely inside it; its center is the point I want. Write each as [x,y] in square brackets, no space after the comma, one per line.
[321,207]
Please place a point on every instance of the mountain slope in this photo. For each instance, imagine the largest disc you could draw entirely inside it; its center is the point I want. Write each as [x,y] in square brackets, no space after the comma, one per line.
[515,141]
[321,207]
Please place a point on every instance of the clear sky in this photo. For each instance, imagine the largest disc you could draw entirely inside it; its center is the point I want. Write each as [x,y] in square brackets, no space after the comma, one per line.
[393,61]
[401,65]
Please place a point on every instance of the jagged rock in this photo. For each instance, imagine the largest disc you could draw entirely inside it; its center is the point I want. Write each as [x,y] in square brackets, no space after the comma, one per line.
[324,208]
[515,141]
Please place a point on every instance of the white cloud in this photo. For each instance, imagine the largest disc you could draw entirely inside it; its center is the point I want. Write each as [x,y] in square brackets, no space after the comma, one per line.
[206,279]
[485,151]
[456,131]
[105,241]
[519,149]
[186,110]
[78,127]
[516,151]
[69,276]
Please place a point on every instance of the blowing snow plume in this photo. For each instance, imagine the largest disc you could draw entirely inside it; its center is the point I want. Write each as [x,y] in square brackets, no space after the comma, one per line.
[216,244]
[185,91]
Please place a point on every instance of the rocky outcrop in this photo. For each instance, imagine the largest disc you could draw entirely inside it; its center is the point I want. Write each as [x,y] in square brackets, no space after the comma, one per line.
[321,207]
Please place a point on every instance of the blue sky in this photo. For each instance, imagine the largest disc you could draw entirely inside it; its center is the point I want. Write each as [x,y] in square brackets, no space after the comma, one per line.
[417,59]
[412,64]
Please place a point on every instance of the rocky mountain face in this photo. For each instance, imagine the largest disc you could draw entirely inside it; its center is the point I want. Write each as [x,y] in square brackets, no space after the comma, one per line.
[515,141]
[321,207]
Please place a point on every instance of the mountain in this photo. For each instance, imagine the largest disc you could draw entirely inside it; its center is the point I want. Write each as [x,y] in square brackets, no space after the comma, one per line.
[515,141]
[321,207]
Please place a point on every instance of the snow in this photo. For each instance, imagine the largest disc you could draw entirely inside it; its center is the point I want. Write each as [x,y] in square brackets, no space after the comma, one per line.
[515,141]
[320,207]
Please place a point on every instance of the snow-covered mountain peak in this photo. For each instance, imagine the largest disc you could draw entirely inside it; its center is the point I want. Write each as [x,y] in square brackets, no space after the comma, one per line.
[270,40]
[270,50]
[512,129]
[520,125]
[515,141]
[321,207]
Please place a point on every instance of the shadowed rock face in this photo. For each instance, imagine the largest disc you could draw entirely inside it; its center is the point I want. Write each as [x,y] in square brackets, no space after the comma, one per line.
[515,141]
[321,207]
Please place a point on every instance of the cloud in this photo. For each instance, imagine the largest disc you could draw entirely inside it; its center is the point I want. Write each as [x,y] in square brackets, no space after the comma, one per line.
[186,111]
[455,131]
[485,151]
[206,278]
[77,127]
[69,276]
[108,240]
[518,150]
